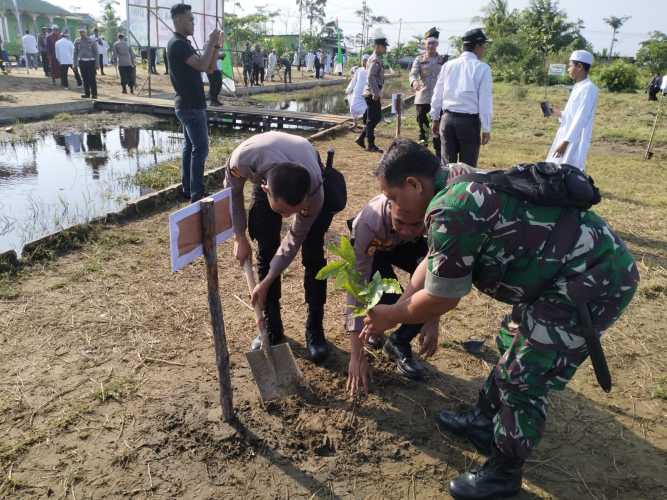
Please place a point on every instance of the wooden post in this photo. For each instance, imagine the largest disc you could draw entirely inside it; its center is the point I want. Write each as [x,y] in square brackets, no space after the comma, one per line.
[215,307]
[399,112]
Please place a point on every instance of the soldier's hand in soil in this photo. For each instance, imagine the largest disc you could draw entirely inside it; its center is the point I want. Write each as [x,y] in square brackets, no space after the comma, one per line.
[357,371]
[241,249]
[428,339]
[376,322]
[259,293]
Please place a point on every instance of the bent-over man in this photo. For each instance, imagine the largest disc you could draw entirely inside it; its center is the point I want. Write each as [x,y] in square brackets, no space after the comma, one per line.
[286,173]
[564,291]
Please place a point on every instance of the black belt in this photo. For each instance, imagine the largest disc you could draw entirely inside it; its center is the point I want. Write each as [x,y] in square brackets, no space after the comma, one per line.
[462,115]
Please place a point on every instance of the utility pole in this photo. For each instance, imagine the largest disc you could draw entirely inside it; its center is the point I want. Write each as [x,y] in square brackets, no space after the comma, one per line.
[298,52]
[398,49]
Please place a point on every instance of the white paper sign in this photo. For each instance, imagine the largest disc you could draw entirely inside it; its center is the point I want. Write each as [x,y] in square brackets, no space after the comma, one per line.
[557,69]
[185,233]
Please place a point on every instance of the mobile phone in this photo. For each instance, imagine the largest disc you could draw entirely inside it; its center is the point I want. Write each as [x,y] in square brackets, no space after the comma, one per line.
[547,110]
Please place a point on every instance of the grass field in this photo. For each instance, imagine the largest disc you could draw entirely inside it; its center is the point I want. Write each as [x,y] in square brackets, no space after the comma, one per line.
[110,386]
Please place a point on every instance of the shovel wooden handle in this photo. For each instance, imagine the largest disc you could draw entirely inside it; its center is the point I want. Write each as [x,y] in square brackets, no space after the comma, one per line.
[250,279]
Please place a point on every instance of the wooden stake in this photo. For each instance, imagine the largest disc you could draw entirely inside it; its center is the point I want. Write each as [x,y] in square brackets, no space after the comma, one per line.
[215,307]
[399,112]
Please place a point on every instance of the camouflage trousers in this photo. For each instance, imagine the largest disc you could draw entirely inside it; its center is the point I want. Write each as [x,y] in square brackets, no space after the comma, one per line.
[542,351]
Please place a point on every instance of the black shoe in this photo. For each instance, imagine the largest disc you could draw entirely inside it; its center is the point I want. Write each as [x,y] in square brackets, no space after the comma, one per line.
[95,96]
[405,363]
[473,424]
[372,148]
[376,342]
[124,91]
[361,141]
[318,348]
[84,96]
[500,476]
[182,195]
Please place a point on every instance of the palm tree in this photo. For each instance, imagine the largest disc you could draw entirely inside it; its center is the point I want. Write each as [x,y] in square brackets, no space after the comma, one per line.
[615,23]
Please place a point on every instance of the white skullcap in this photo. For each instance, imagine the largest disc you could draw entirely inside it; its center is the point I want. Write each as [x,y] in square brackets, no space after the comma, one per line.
[582,56]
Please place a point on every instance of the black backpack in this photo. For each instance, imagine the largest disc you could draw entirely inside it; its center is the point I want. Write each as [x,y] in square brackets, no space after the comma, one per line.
[545,184]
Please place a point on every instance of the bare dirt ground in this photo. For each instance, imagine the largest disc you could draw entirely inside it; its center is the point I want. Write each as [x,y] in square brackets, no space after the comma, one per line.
[28,89]
[109,386]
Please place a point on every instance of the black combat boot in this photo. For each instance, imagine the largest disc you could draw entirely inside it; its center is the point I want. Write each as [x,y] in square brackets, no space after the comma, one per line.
[401,352]
[361,140]
[318,348]
[274,327]
[475,424]
[500,476]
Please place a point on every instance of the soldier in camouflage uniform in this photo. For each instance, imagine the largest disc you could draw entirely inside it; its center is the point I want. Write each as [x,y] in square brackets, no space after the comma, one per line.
[423,77]
[503,246]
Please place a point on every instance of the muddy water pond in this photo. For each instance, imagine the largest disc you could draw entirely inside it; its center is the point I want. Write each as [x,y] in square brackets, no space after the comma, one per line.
[331,104]
[54,181]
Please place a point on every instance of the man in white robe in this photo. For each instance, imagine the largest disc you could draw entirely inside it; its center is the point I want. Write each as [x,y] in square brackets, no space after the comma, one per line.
[355,92]
[573,138]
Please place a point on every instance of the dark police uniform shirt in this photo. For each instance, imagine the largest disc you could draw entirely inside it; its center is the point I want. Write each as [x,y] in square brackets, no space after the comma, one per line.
[185,79]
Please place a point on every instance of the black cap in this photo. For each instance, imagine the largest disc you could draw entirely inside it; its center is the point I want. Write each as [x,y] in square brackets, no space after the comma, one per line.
[381,41]
[476,35]
[432,33]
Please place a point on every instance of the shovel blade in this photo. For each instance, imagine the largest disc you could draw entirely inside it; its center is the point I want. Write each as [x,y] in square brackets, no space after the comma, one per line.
[277,377]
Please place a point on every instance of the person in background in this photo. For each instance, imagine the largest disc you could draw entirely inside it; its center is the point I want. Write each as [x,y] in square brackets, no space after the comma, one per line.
[317,64]
[51,40]
[123,57]
[355,92]
[257,65]
[423,77]
[246,60]
[185,69]
[215,79]
[373,93]
[573,138]
[43,52]
[286,63]
[65,57]
[271,64]
[152,60]
[98,40]
[166,61]
[463,98]
[286,173]
[30,49]
[86,58]
[2,58]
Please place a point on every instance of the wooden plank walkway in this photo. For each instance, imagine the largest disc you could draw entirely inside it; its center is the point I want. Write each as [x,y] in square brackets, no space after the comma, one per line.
[241,116]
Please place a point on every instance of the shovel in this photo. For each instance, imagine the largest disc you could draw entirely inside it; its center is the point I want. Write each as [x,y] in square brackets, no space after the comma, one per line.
[273,367]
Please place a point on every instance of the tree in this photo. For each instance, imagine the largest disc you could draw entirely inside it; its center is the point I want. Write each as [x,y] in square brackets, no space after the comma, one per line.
[110,21]
[367,21]
[315,12]
[615,23]
[652,53]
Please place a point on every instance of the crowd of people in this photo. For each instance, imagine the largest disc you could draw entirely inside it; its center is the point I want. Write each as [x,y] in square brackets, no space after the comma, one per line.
[566,275]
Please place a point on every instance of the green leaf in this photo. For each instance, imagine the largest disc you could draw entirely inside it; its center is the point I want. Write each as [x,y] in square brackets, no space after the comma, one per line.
[347,251]
[331,269]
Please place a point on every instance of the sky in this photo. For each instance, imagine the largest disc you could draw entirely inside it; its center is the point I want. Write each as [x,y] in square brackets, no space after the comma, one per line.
[452,17]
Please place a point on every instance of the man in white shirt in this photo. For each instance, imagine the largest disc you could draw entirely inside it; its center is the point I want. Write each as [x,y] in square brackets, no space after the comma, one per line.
[573,138]
[65,57]
[463,97]
[271,63]
[30,49]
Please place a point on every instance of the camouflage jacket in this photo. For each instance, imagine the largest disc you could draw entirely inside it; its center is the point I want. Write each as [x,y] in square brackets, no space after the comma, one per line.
[499,243]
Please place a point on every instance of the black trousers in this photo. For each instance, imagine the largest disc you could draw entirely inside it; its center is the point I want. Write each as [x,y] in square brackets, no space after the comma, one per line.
[406,257]
[89,78]
[318,72]
[214,85]
[264,227]
[373,117]
[152,56]
[461,140]
[101,63]
[45,62]
[64,70]
[247,75]
[126,76]
[257,73]
[424,124]
[288,74]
